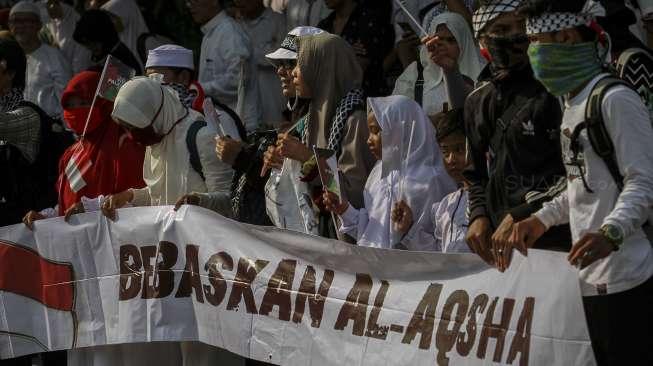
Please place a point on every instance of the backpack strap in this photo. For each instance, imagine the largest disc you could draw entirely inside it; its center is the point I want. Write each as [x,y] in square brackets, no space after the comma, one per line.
[597,133]
[191,144]
[419,84]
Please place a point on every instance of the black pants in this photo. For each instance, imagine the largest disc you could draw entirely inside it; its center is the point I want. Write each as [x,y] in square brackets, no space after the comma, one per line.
[621,326]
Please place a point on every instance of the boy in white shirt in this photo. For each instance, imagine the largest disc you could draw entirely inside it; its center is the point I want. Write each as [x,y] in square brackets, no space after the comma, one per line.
[610,248]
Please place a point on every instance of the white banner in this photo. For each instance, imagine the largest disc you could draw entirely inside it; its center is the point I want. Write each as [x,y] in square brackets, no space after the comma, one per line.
[278,296]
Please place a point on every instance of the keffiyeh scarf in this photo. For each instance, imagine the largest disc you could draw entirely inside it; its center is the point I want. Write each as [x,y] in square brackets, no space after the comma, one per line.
[186,95]
[11,100]
[352,101]
[553,22]
[486,13]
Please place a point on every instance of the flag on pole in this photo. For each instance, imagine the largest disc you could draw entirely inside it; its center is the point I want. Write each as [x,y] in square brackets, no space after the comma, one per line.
[114,75]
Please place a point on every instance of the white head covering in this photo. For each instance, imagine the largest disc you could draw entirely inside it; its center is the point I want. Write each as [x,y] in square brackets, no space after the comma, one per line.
[170,55]
[487,13]
[165,170]
[25,7]
[469,61]
[426,180]
[288,49]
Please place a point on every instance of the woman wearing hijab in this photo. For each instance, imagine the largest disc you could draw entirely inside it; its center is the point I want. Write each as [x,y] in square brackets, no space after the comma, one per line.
[104,161]
[96,31]
[424,81]
[155,117]
[328,73]
[414,173]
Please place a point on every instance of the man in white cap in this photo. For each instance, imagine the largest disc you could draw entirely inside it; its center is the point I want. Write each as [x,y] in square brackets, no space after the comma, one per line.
[175,64]
[48,71]
[226,61]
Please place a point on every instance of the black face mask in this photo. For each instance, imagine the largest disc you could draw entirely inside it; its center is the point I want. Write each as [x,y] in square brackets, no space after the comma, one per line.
[145,136]
[508,53]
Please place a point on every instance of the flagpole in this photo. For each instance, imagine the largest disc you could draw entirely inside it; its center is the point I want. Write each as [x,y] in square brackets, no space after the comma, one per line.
[410,16]
[97,91]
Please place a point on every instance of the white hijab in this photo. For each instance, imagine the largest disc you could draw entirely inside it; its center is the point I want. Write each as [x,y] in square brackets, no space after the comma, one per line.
[470,62]
[425,178]
[166,166]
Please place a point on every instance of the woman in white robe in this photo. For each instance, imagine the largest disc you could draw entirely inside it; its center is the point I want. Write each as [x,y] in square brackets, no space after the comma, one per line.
[412,170]
[434,91]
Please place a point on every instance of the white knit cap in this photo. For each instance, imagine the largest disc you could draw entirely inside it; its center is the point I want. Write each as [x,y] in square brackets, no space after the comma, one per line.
[25,7]
[170,55]
[288,49]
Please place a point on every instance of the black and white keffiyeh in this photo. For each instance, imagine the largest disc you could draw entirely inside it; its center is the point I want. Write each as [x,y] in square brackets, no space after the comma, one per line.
[486,13]
[553,22]
[186,95]
[354,100]
[11,100]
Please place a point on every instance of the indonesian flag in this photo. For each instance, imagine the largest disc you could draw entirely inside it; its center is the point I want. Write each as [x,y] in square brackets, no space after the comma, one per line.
[41,287]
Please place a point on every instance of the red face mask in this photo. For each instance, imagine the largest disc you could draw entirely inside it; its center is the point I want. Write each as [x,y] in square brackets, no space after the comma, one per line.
[76,119]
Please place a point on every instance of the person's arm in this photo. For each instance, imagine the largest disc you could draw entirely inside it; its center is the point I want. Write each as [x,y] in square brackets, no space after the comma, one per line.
[478,134]
[219,202]
[554,212]
[230,51]
[22,129]
[458,88]
[423,232]
[355,161]
[629,126]
[142,197]
[218,176]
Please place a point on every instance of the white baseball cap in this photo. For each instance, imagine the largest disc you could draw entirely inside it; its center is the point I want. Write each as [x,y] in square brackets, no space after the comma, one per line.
[288,49]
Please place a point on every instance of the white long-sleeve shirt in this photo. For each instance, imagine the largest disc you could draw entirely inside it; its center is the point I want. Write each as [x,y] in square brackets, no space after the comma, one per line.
[62,31]
[446,224]
[266,34]
[225,52]
[48,73]
[628,124]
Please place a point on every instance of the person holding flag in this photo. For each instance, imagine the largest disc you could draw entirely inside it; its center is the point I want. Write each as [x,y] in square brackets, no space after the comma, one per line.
[105,161]
[394,122]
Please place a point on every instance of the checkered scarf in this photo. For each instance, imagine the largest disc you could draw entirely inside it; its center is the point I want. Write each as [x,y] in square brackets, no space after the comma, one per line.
[11,100]
[486,13]
[553,22]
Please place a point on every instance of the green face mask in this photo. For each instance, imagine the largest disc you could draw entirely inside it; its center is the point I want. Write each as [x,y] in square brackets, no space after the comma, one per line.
[561,67]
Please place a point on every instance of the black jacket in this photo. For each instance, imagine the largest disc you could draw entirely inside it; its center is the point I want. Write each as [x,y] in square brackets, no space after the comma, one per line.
[513,126]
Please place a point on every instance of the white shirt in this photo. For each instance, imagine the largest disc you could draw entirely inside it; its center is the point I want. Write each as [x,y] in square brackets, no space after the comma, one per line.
[47,75]
[628,124]
[305,13]
[132,21]
[446,222]
[78,57]
[225,51]
[266,34]
[434,94]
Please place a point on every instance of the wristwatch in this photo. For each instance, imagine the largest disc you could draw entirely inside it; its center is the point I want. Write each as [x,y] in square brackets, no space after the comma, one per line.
[613,234]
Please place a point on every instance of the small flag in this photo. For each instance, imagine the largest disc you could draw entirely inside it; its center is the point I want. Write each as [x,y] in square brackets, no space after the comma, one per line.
[327,166]
[114,75]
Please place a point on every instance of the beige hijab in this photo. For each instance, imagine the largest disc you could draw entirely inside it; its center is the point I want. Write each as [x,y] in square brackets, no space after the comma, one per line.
[330,68]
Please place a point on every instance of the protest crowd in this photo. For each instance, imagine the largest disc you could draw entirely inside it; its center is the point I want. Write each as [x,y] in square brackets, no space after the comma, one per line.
[489,127]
